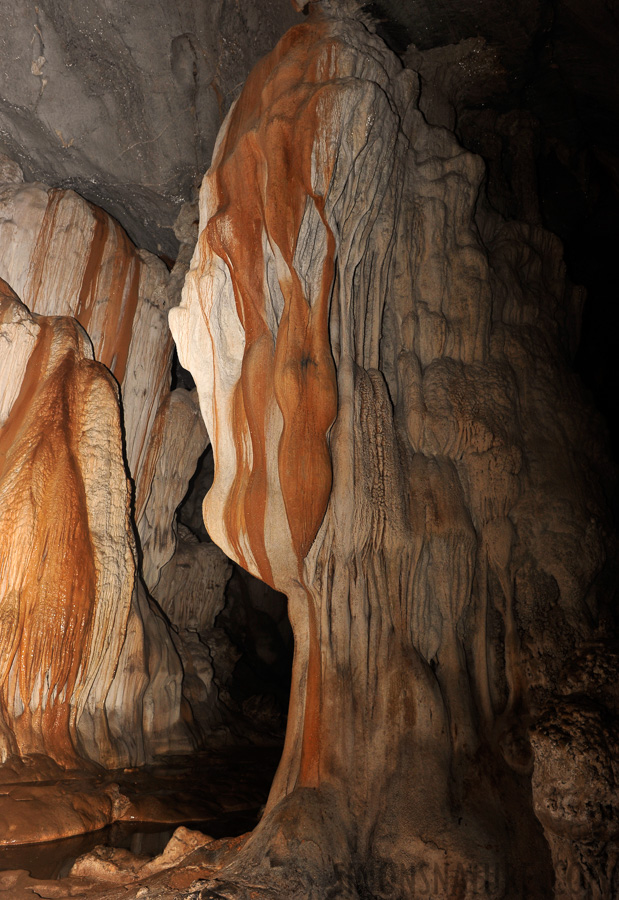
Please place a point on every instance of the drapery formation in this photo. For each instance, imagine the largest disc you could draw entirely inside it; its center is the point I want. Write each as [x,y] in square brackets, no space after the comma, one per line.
[383,367]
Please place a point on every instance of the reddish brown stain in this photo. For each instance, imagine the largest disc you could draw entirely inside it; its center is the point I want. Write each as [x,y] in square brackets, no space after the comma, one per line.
[262,178]
[90,280]
[111,275]
[121,306]
[41,248]
[46,621]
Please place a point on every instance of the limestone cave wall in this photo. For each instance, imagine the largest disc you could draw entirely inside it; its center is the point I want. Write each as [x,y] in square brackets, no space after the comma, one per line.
[375,387]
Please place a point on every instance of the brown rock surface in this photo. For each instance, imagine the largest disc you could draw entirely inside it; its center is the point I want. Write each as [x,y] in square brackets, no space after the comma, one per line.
[576,751]
[67,556]
[70,258]
[64,257]
[401,447]
[87,666]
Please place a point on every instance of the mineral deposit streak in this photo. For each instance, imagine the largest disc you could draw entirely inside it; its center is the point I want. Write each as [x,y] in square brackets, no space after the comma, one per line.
[294,368]
[111,275]
[47,616]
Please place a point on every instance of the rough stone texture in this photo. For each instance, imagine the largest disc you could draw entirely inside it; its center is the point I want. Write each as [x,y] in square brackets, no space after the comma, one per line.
[116,865]
[65,257]
[576,742]
[383,367]
[236,623]
[122,102]
[145,710]
[67,551]
[513,26]
[192,598]
[88,666]
[191,593]
[177,441]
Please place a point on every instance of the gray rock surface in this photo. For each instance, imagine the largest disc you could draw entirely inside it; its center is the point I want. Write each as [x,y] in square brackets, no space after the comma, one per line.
[122,101]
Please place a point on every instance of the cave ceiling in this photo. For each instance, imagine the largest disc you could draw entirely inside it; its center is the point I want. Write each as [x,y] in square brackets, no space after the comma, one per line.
[123,101]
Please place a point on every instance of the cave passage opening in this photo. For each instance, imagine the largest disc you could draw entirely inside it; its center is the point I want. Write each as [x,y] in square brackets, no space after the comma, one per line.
[250,640]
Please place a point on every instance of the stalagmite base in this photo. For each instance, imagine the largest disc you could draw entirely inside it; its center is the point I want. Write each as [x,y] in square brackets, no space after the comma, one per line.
[382,365]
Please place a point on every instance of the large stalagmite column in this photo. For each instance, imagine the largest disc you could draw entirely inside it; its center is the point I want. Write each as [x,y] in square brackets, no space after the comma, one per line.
[382,365]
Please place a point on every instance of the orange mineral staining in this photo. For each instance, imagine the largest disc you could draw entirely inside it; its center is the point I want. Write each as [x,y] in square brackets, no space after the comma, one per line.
[48,581]
[90,281]
[262,178]
[111,277]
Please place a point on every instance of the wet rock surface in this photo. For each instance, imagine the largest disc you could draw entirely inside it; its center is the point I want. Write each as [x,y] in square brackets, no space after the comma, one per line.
[223,793]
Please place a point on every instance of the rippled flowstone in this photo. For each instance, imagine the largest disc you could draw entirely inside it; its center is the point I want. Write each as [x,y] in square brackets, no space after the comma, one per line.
[383,364]
[65,257]
[87,665]
[70,260]
[67,554]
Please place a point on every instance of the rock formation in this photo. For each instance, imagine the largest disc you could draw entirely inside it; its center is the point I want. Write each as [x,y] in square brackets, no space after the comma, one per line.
[64,257]
[400,446]
[123,104]
[67,554]
[381,334]
[68,258]
[122,693]
[170,464]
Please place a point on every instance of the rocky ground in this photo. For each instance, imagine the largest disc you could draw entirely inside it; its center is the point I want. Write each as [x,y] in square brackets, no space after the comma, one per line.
[223,793]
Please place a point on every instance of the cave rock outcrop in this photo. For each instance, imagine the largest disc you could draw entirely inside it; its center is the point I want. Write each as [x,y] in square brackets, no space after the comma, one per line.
[65,257]
[78,272]
[67,553]
[383,365]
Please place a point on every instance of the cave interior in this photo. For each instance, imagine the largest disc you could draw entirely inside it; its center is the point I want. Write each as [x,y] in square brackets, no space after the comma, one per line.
[309,426]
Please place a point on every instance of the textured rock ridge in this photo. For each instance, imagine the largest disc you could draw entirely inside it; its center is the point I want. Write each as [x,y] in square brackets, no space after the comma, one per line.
[65,257]
[170,464]
[67,554]
[76,267]
[400,446]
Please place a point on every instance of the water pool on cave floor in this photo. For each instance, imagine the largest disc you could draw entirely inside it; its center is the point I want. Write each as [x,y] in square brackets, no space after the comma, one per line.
[227,791]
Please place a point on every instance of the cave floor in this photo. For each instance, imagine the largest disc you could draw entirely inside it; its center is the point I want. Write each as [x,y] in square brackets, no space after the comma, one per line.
[117,822]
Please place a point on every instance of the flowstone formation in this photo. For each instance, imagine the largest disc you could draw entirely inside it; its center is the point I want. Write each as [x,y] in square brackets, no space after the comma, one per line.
[383,366]
[90,669]
[65,257]
[65,599]
[135,628]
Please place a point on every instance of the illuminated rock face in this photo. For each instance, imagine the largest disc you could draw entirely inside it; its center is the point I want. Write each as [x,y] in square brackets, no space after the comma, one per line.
[88,668]
[65,257]
[383,368]
[67,554]
[89,665]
